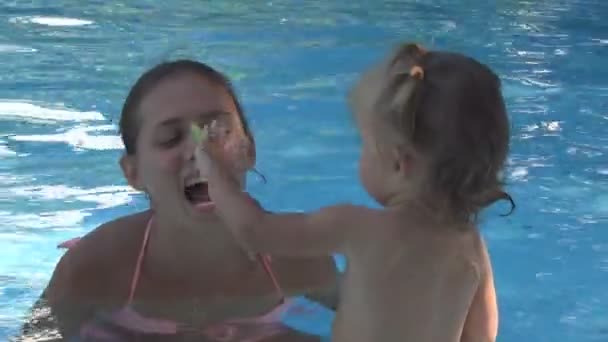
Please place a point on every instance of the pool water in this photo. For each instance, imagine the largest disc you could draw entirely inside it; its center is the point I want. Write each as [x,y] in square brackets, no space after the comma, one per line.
[67,67]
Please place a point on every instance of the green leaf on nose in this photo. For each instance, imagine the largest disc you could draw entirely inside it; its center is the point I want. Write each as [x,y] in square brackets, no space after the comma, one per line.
[198,134]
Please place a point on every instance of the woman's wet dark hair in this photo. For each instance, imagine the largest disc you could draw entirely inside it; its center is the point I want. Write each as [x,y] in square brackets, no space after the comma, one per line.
[449,107]
[129,118]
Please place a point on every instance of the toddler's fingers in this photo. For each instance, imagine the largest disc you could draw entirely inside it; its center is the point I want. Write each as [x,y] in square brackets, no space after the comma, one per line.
[217,130]
[202,160]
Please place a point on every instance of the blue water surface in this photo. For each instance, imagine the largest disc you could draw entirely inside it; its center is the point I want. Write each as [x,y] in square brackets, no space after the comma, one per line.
[66,67]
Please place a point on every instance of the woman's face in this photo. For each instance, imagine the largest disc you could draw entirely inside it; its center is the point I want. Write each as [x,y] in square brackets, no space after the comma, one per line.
[163,165]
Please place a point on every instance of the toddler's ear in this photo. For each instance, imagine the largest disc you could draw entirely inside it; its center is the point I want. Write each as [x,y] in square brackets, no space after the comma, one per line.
[403,160]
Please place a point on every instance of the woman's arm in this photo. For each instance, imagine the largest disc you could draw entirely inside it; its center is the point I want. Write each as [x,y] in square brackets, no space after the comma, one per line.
[41,324]
[315,278]
[61,309]
[328,295]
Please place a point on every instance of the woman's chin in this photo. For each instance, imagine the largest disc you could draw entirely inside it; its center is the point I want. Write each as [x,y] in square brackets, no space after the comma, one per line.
[198,209]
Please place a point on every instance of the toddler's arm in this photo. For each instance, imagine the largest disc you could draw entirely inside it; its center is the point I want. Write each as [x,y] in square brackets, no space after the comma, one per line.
[295,234]
[292,234]
[482,321]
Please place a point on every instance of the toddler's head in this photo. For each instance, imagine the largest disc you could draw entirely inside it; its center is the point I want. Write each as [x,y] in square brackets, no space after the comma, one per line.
[434,128]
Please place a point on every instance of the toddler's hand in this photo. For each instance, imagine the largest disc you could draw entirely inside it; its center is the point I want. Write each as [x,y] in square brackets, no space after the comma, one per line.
[210,159]
[234,150]
[208,156]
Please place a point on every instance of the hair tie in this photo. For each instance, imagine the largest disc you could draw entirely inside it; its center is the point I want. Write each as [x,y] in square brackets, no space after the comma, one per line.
[417,72]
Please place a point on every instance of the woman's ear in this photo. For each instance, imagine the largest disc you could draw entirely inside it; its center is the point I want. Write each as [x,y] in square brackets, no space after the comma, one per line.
[129,170]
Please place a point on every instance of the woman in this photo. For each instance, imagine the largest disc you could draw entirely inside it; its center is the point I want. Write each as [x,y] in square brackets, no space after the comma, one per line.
[173,272]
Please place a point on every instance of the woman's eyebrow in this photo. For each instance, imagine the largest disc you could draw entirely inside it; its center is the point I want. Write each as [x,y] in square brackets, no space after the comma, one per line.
[212,114]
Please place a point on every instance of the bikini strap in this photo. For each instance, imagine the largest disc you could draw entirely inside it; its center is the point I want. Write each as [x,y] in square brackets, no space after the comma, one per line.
[140,261]
[266,261]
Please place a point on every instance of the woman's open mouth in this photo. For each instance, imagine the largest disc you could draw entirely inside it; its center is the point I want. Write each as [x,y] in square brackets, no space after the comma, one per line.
[197,193]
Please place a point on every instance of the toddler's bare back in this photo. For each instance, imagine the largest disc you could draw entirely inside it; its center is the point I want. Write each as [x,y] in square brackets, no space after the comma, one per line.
[408,280]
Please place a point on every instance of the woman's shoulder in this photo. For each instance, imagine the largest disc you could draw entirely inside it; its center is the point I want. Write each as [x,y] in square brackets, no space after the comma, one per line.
[101,255]
[110,239]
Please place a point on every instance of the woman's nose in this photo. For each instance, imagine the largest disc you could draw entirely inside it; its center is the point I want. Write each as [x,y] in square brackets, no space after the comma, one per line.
[189,148]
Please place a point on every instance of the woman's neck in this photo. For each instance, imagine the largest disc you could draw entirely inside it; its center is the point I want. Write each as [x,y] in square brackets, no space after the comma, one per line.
[182,250]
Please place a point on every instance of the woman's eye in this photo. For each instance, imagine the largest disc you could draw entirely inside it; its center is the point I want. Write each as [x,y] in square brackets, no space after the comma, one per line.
[171,140]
